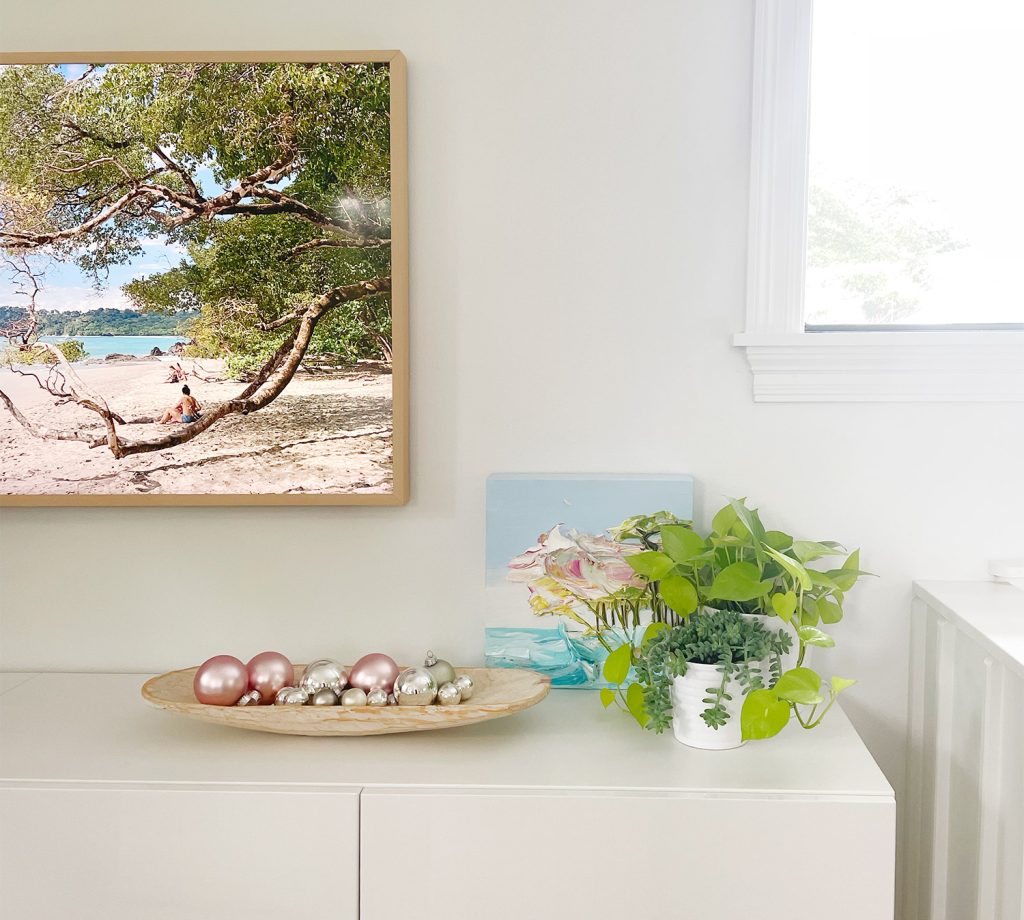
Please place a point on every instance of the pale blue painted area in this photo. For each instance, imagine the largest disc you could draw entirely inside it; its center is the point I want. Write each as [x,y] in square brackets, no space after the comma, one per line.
[99,346]
[522,506]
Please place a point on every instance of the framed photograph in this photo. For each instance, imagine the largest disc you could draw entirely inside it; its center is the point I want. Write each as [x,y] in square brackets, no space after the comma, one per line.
[203,279]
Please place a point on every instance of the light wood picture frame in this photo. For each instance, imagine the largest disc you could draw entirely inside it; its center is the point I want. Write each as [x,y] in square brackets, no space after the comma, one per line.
[340,90]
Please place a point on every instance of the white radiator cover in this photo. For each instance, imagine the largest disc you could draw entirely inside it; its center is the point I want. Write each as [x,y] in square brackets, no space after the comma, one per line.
[962,840]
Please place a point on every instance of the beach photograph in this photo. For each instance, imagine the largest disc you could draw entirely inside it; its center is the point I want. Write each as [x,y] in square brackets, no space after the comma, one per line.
[198,293]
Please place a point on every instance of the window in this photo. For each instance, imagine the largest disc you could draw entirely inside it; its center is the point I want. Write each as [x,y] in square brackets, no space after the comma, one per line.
[887,201]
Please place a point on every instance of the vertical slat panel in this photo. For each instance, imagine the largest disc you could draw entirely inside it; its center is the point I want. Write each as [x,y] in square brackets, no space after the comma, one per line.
[913,830]
[945,688]
[990,792]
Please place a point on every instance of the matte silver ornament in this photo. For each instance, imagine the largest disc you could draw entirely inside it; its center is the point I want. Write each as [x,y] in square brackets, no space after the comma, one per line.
[415,687]
[441,670]
[291,696]
[465,684]
[378,696]
[353,697]
[324,672]
[252,698]
[325,696]
[448,695]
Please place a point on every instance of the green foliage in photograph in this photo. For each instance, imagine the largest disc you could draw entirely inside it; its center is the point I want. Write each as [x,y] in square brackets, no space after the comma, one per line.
[72,349]
[102,321]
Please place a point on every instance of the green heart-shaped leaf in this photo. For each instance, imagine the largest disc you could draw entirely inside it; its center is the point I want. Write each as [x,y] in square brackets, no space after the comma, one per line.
[799,685]
[763,715]
[652,565]
[784,605]
[811,636]
[617,664]
[679,593]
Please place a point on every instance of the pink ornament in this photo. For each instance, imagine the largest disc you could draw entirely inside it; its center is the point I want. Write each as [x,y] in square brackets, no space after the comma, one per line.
[372,671]
[221,681]
[268,673]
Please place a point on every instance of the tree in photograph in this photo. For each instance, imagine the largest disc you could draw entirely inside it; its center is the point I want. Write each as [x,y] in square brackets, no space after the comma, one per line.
[273,179]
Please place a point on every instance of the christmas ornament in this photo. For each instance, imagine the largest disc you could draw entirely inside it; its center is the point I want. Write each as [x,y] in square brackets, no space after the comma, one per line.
[415,687]
[465,684]
[220,681]
[378,696]
[291,696]
[392,700]
[268,673]
[323,673]
[252,698]
[448,695]
[354,696]
[325,696]
[441,670]
[374,670]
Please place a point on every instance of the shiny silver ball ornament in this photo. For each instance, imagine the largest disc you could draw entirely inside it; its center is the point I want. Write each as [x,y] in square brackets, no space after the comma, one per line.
[392,700]
[324,673]
[448,695]
[291,696]
[325,696]
[353,697]
[378,696]
[441,670]
[465,684]
[252,698]
[415,687]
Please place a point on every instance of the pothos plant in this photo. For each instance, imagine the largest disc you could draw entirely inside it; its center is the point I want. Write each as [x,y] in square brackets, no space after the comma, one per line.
[740,567]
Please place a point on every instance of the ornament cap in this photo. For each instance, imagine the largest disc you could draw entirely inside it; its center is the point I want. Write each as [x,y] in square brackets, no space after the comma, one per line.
[430,660]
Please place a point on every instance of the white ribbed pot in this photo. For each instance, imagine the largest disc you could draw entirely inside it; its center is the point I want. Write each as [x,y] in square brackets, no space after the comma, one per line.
[688,695]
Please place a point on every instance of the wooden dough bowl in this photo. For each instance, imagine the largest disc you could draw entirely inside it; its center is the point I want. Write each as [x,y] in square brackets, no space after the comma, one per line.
[497,692]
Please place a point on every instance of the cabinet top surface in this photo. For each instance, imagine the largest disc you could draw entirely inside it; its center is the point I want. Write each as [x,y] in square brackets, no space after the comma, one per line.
[992,611]
[88,728]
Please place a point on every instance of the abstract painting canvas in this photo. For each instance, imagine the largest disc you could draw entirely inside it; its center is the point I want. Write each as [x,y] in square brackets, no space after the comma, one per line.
[521,507]
[203,279]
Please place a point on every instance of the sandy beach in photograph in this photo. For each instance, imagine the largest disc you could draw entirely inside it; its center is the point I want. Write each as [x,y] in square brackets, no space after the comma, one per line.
[326,433]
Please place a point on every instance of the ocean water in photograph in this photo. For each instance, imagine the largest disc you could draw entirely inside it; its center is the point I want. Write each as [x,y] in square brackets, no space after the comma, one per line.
[99,346]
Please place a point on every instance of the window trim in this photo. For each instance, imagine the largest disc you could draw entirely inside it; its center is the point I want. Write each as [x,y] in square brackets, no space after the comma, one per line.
[789,363]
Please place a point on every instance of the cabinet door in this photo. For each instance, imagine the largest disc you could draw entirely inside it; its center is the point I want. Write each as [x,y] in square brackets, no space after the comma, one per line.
[165,853]
[509,855]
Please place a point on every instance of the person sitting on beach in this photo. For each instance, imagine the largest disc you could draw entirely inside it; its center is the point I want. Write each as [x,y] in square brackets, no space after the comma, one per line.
[186,411]
[176,375]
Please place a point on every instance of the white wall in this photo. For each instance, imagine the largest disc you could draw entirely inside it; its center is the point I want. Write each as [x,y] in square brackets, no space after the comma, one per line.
[579,184]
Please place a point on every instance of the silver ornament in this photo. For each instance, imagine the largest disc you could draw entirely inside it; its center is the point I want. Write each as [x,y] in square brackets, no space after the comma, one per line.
[465,684]
[441,670]
[252,698]
[392,700]
[325,696]
[291,696]
[324,673]
[378,696]
[353,697]
[448,695]
[415,687]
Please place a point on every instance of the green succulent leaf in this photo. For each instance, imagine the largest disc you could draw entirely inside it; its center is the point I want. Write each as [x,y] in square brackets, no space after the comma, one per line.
[811,636]
[799,685]
[784,605]
[763,715]
[652,565]
[740,581]
[635,704]
[679,593]
[681,543]
[617,664]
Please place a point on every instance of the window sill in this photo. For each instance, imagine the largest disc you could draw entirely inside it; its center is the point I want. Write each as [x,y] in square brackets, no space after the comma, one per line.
[886,366]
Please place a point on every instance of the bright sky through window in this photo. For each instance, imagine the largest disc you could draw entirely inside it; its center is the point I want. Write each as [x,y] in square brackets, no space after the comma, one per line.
[916,212]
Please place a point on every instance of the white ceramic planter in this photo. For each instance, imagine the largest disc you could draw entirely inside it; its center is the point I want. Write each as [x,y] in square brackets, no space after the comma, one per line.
[688,695]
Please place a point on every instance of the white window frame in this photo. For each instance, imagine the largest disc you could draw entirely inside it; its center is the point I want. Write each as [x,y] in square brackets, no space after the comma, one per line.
[789,364]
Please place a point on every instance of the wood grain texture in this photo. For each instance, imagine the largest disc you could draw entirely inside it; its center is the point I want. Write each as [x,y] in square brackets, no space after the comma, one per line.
[497,692]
